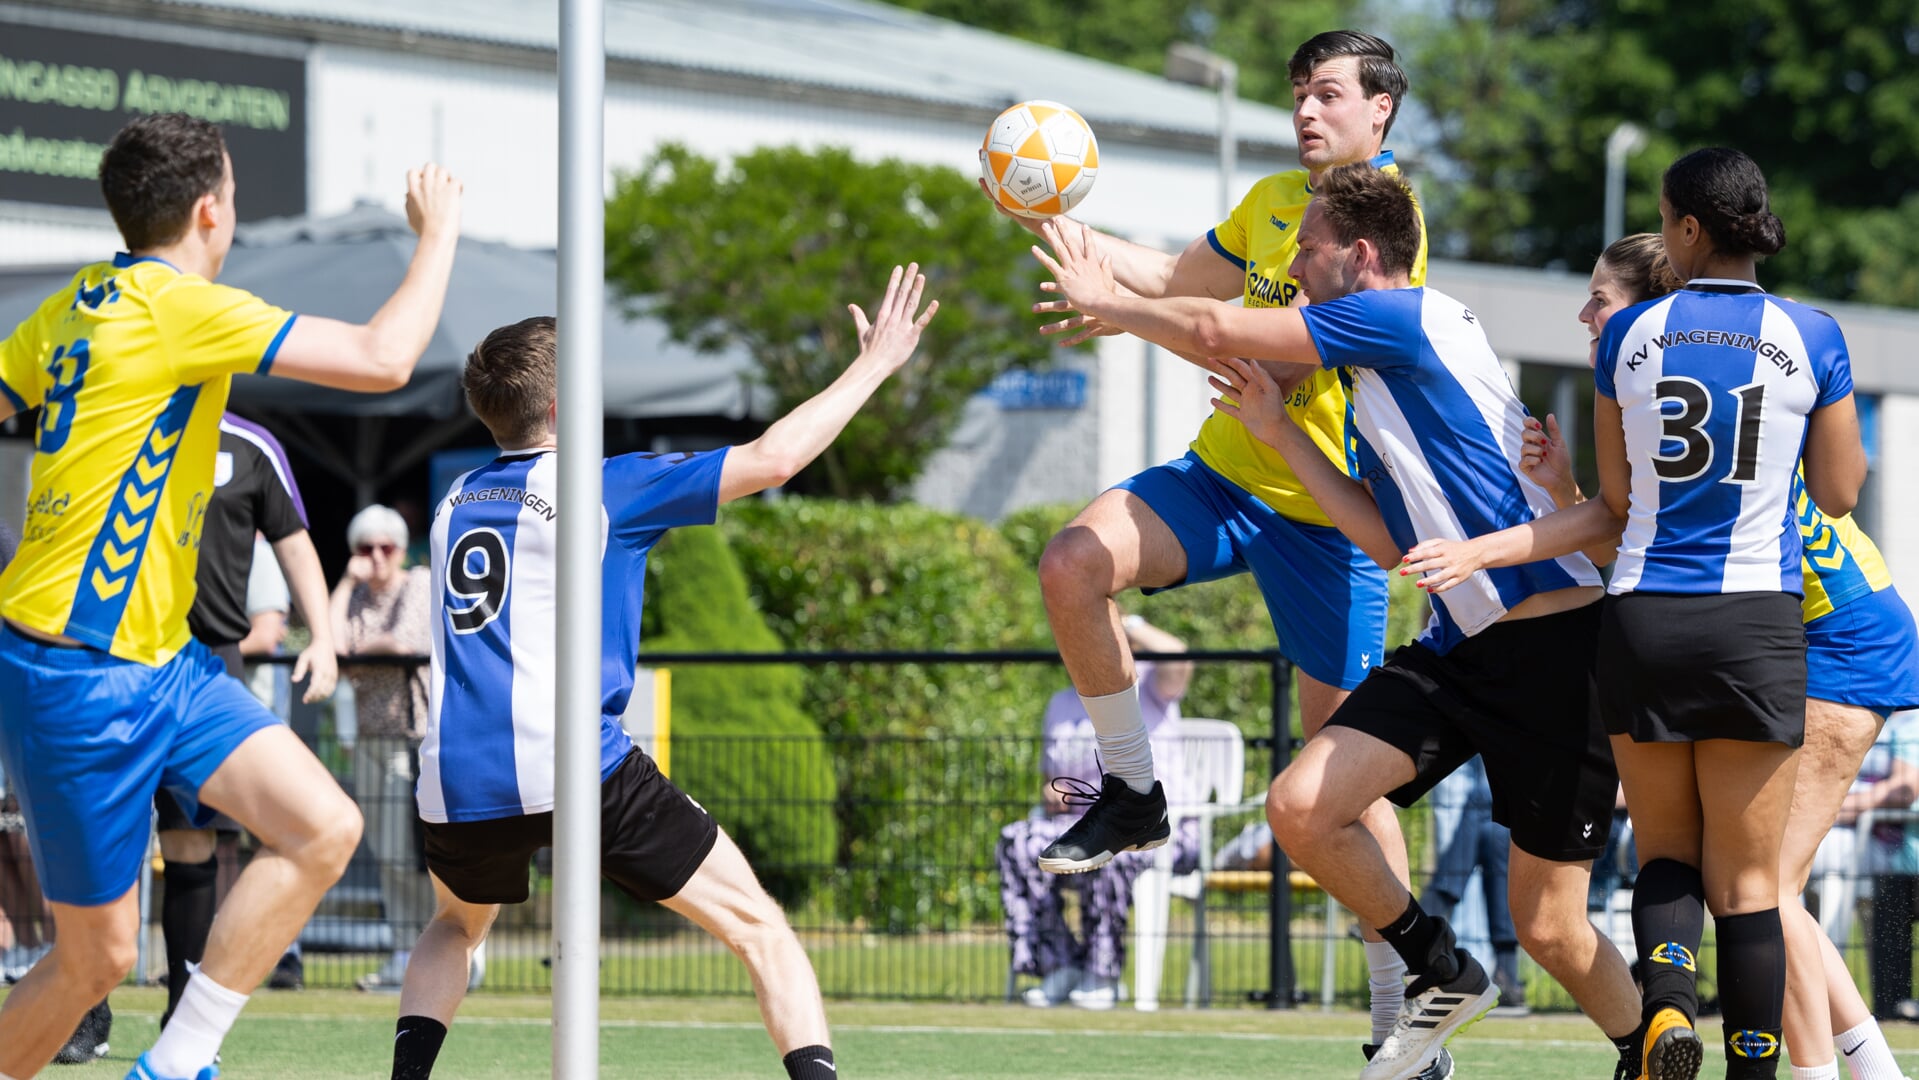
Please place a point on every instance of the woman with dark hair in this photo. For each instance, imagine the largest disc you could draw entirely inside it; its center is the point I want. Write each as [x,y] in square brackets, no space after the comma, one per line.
[1705,397]
[1862,664]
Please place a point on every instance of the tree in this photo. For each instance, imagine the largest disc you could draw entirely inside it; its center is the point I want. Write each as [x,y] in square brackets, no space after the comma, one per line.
[1819,92]
[766,252]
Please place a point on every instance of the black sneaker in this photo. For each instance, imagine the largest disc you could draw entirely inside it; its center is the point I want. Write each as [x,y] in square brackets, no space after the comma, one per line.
[1117,819]
[89,1041]
[1440,1069]
[289,974]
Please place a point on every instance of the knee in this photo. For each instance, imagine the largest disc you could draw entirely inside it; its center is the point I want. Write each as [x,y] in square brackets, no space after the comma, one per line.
[759,934]
[100,965]
[1293,810]
[1073,566]
[333,841]
[1547,934]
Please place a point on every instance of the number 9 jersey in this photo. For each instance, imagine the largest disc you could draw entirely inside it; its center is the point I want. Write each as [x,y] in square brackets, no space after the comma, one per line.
[489,743]
[129,365]
[1715,383]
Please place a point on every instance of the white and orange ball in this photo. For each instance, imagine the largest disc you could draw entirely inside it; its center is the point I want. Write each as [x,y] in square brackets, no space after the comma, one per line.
[1039,159]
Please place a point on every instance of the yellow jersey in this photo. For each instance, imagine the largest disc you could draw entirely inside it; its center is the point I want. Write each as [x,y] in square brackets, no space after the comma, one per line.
[1261,238]
[1840,563]
[130,365]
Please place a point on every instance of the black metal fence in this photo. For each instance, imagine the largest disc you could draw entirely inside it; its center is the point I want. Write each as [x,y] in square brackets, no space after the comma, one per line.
[890,876]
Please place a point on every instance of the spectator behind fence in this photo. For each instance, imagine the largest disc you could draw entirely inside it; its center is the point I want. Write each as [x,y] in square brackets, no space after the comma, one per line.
[1468,839]
[382,608]
[1085,969]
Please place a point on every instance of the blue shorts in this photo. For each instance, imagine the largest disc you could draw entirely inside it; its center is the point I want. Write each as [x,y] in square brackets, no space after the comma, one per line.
[1326,597]
[1865,653]
[87,738]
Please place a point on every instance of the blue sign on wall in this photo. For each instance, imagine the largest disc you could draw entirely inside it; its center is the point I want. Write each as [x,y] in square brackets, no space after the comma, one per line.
[1038,390]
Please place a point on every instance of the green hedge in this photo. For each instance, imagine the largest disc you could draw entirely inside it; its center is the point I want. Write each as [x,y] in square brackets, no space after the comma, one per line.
[864,577]
[760,764]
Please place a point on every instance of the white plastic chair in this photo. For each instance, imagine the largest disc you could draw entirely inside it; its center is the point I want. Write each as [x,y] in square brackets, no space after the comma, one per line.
[1212,784]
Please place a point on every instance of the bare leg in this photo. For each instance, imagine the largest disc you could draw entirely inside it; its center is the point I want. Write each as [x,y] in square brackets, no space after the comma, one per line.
[437,973]
[1837,738]
[1549,915]
[1745,794]
[1315,808]
[1317,703]
[726,900]
[1116,543]
[307,827]
[93,950]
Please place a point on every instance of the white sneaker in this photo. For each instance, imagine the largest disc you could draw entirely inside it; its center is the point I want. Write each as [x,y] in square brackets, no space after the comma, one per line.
[1428,1019]
[1096,992]
[476,968]
[388,979]
[1052,989]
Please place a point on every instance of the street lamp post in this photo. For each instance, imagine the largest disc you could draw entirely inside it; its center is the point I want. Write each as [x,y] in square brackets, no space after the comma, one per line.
[1620,145]
[1190,64]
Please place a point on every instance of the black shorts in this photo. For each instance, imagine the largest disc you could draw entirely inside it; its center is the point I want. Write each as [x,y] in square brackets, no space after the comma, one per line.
[1718,666]
[171,817]
[1520,695]
[653,837]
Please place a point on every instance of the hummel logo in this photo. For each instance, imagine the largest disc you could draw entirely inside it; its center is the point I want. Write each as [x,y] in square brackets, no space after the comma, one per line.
[1587,831]
[1278,224]
[1365,659]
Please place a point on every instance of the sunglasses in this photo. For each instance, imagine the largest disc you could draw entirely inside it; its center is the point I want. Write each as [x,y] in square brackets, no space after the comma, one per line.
[369,549]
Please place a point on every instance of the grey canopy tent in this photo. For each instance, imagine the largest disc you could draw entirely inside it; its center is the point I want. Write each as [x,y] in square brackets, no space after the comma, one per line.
[346,266]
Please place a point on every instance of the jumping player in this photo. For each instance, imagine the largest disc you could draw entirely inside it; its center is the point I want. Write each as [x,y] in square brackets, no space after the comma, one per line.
[486,769]
[104,695]
[1231,505]
[1503,671]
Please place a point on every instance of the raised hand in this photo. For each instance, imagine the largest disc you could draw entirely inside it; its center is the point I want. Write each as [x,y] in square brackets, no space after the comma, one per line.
[1251,396]
[433,200]
[888,340]
[1544,459]
[1081,276]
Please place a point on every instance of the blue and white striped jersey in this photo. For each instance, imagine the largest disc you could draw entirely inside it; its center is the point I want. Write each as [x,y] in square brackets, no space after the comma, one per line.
[1440,432]
[489,743]
[1714,385]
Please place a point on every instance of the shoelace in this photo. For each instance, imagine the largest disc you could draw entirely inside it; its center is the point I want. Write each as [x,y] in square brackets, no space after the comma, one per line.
[1073,791]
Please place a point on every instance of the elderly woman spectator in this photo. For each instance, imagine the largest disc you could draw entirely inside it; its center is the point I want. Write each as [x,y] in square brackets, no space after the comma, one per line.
[383,608]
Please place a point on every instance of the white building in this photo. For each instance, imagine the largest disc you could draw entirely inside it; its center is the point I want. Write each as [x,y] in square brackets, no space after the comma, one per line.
[328,102]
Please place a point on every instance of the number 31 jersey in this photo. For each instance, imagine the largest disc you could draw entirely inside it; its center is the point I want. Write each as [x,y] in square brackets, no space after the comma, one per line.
[1715,384]
[489,744]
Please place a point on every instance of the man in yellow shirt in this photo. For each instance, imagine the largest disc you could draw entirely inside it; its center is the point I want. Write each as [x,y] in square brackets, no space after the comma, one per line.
[1232,505]
[105,697]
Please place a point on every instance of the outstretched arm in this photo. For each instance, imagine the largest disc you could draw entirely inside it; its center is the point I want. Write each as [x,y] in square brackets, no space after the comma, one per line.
[1250,395]
[1183,324]
[380,354]
[794,440]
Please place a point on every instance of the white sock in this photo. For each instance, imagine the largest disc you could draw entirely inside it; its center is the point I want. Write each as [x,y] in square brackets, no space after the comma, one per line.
[1866,1053]
[1124,749]
[1388,986]
[200,1024]
[1828,1071]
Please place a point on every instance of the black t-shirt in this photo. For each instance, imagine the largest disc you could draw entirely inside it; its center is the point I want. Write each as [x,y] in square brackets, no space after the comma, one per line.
[253,491]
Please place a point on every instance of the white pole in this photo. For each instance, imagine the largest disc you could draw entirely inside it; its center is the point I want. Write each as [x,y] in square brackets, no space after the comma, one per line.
[576,811]
[1228,141]
[1622,142]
